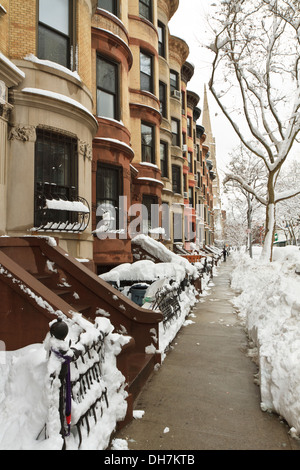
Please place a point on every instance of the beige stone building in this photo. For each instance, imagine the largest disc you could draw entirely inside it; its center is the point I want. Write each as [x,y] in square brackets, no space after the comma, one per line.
[47,121]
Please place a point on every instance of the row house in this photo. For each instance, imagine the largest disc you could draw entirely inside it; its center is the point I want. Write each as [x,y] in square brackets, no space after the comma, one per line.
[98,128]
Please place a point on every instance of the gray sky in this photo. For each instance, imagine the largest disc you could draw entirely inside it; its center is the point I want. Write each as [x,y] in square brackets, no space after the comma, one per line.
[189,23]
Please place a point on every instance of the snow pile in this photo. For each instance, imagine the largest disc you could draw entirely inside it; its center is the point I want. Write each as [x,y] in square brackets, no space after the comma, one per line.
[29,398]
[144,270]
[269,305]
[162,253]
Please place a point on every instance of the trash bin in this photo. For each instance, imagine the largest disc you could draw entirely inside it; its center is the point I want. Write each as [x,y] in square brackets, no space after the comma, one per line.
[138,292]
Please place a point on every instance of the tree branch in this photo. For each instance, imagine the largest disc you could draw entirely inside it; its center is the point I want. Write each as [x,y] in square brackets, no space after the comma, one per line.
[245,186]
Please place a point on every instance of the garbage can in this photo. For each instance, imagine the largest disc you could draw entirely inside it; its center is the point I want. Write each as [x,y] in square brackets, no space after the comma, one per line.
[138,292]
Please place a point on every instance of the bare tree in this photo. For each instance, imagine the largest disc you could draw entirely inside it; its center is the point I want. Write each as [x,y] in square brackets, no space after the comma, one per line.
[255,81]
[253,172]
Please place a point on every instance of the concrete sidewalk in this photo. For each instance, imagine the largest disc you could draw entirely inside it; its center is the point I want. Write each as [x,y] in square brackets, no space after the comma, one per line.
[203,397]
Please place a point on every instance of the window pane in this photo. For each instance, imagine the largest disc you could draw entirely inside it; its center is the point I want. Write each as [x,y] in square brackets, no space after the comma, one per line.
[145,82]
[106,75]
[55,14]
[146,135]
[145,64]
[145,9]
[109,5]
[105,104]
[53,46]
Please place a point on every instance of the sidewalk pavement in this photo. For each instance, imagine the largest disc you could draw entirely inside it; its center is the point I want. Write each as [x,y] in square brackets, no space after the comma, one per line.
[203,397]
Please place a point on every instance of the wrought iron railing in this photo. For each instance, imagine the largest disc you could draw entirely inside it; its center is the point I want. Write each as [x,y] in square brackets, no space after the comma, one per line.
[167,301]
[60,209]
[82,395]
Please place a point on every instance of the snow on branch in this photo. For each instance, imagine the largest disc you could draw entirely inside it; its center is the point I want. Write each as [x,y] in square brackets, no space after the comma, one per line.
[286,195]
[246,186]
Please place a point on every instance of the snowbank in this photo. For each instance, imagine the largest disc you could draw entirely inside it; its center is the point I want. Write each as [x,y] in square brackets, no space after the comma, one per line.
[269,305]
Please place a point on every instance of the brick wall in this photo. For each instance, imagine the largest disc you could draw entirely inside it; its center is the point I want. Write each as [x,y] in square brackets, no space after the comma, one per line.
[22,28]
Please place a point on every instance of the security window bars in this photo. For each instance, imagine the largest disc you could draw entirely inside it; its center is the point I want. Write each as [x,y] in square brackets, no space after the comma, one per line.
[146,72]
[56,31]
[148,143]
[107,88]
[56,172]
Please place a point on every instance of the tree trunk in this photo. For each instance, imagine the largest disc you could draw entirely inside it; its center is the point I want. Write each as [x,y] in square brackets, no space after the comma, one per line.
[267,251]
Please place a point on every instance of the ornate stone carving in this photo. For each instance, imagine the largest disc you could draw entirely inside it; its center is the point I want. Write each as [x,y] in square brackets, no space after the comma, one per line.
[85,149]
[5,109]
[23,133]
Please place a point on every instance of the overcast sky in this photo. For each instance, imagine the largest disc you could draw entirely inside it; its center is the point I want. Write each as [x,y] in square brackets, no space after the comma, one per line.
[190,24]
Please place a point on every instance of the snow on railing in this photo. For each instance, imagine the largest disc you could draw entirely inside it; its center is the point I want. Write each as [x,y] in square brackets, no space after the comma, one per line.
[86,390]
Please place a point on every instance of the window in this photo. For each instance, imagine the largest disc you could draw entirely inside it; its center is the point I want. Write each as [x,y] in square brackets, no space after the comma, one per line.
[56,32]
[150,213]
[109,5]
[161,39]
[164,159]
[108,189]
[175,124]
[145,8]
[163,98]
[146,75]
[174,81]
[190,162]
[191,196]
[56,170]
[148,143]
[176,179]
[189,126]
[107,88]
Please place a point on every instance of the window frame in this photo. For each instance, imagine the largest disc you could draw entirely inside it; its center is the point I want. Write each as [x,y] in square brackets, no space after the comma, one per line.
[115,93]
[150,77]
[164,162]
[174,84]
[176,184]
[163,99]
[149,7]
[175,136]
[115,7]
[161,43]
[70,37]
[145,146]
[45,184]
[119,184]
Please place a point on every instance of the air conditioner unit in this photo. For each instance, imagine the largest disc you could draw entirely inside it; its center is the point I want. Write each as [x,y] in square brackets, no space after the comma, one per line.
[184,148]
[185,195]
[176,94]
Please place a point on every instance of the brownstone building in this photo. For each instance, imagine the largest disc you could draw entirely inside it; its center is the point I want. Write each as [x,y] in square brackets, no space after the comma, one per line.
[98,126]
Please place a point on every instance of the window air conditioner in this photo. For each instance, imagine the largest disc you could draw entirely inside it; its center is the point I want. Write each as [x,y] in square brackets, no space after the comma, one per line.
[176,94]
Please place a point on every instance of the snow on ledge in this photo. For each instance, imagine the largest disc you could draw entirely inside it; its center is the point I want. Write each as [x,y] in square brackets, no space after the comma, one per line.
[54,65]
[59,97]
[62,205]
[11,65]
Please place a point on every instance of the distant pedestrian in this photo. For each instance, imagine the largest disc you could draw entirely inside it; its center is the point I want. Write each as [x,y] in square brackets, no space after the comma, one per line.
[224,253]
